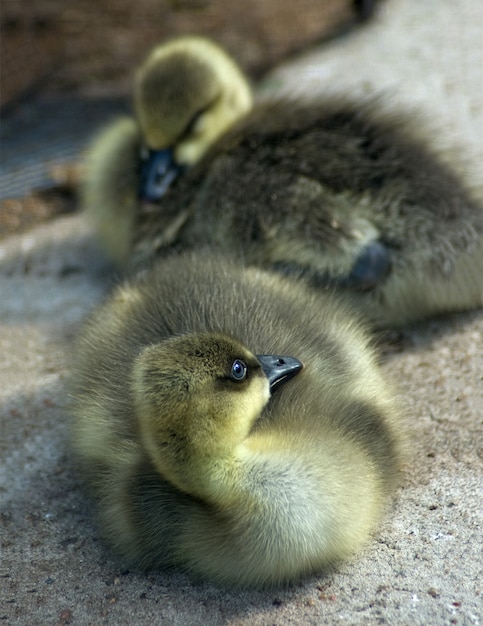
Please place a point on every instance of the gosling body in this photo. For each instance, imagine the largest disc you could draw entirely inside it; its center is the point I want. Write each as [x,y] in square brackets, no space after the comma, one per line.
[338,196]
[195,470]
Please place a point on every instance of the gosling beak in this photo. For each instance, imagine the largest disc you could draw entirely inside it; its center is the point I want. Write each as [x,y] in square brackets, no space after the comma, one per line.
[158,170]
[279,369]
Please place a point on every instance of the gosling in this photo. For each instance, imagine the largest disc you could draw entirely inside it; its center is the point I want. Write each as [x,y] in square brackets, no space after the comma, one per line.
[329,191]
[195,464]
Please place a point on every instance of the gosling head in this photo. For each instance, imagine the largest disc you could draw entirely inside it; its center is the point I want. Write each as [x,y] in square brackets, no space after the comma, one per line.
[187,93]
[197,398]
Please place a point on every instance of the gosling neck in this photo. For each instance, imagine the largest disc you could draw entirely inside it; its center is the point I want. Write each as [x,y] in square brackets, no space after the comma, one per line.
[204,464]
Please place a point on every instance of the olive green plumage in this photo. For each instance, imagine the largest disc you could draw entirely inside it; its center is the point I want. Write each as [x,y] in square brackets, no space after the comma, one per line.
[333,191]
[196,470]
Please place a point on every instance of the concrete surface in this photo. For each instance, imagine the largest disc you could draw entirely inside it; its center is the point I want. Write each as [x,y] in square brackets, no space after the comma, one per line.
[424,565]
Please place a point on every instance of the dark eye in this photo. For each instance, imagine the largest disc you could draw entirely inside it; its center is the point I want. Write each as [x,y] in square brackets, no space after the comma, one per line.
[238,371]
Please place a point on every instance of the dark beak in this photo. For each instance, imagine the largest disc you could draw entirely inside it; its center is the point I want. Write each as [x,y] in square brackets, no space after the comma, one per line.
[279,369]
[158,171]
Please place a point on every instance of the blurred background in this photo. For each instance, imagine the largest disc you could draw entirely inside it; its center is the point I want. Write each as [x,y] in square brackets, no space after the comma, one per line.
[66,68]
[95,45]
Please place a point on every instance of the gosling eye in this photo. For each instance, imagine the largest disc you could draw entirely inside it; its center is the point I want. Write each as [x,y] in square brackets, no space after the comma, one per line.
[238,371]
[195,125]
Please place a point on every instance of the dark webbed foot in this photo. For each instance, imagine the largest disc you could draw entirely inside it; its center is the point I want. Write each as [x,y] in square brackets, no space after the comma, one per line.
[370,268]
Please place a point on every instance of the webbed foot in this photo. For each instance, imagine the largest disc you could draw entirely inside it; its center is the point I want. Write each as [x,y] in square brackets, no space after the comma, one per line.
[370,268]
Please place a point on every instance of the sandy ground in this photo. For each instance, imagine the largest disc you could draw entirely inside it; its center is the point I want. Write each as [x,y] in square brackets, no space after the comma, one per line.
[424,563]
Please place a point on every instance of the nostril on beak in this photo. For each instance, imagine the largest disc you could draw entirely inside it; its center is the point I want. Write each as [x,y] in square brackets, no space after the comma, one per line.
[279,369]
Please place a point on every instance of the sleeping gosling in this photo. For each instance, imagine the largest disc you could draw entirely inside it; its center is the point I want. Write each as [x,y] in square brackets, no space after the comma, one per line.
[334,192]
